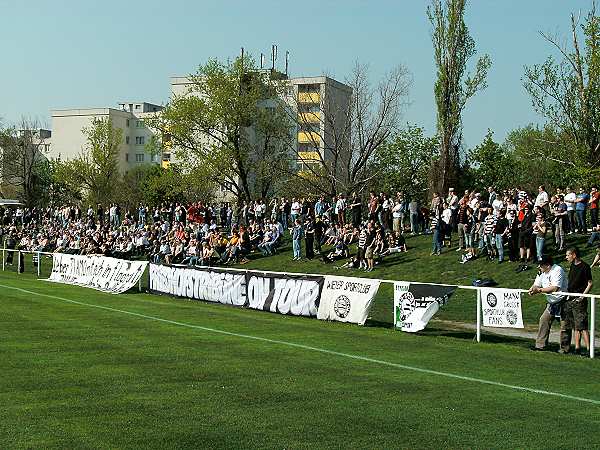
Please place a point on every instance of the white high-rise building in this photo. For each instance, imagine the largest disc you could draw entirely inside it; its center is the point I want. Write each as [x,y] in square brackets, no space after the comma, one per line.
[68,138]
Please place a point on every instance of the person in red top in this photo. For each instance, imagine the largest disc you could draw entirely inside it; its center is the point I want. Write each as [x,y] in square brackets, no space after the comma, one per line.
[373,207]
[593,205]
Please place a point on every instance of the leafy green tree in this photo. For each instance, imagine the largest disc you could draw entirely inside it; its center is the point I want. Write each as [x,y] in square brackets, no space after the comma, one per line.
[537,159]
[231,125]
[95,172]
[403,163]
[453,48]
[567,91]
[489,164]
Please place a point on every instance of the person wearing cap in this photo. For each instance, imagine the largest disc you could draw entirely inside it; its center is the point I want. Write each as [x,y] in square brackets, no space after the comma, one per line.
[551,278]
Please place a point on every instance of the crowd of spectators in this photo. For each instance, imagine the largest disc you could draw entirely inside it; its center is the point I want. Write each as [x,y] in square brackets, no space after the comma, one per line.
[503,225]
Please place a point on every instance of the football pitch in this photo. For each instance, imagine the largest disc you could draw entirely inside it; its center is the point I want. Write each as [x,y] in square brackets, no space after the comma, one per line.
[84,369]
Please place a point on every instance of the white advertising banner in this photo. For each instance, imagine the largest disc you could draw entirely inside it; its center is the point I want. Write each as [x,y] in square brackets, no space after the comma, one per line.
[296,295]
[347,299]
[97,272]
[416,303]
[501,308]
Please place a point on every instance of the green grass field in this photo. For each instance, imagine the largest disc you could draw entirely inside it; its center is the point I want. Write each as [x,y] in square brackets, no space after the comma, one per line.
[83,369]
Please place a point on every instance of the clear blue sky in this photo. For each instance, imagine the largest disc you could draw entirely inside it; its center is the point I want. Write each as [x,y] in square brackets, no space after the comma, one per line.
[68,53]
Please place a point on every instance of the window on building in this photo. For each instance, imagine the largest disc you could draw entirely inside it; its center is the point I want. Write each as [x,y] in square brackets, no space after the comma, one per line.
[310,128]
[309,88]
[137,106]
[139,124]
[127,139]
[139,140]
[139,157]
[126,157]
[127,123]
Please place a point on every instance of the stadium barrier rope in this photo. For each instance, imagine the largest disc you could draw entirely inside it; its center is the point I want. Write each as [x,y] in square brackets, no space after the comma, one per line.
[592,297]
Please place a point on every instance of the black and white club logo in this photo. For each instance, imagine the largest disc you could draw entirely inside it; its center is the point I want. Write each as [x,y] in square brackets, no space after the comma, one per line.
[408,303]
[492,300]
[341,306]
[511,317]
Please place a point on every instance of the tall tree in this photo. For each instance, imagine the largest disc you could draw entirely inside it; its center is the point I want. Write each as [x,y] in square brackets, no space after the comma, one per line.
[489,164]
[232,125]
[23,162]
[453,47]
[95,172]
[567,91]
[402,164]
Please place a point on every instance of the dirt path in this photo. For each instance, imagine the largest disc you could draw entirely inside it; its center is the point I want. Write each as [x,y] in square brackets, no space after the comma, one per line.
[512,332]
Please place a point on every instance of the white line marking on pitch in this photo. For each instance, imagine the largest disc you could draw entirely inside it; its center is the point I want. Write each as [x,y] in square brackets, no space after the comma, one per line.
[317,349]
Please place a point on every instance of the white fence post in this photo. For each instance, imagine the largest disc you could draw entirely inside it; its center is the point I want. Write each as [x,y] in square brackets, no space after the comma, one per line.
[478,315]
[593,327]
[19,262]
[3,258]
[39,264]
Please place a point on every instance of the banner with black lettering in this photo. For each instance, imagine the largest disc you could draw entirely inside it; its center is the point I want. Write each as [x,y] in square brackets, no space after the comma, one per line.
[296,295]
[501,308]
[97,272]
[415,304]
[347,299]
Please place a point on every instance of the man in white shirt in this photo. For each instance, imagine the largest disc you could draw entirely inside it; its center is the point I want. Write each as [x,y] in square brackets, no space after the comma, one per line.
[570,201]
[542,198]
[552,278]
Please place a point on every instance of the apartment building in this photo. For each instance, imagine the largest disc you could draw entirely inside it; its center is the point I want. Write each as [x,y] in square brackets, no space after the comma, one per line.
[321,105]
[323,132]
[68,139]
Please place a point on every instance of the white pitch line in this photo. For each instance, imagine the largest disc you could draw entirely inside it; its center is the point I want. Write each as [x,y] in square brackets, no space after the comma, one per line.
[317,349]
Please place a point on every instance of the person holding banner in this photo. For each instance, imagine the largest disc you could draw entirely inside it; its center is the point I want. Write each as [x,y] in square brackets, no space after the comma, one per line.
[551,278]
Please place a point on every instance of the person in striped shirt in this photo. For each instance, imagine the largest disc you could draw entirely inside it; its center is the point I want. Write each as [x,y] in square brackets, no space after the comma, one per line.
[489,225]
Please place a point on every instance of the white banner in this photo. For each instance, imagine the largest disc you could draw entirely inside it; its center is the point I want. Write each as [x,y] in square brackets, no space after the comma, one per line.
[416,303]
[280,293]
[97,272]
[346,299]
[501,308]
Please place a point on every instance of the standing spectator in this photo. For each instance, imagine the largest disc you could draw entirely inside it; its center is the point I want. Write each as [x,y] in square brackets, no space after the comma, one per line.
[356,210]
[501,230]
[319,229]
[370,246]
[581,204]
[297,235]
[525,234]
[461,220]
[575,309]
[100,214]
[340,209]
[550,279]
[373,206]
[452,201]
[539,231]
[542,199]
[489,237]
[142,211]
[436,228]
[492,195]
[559,210]
[570,200]
[594,203]
[413,210]
[309,231]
